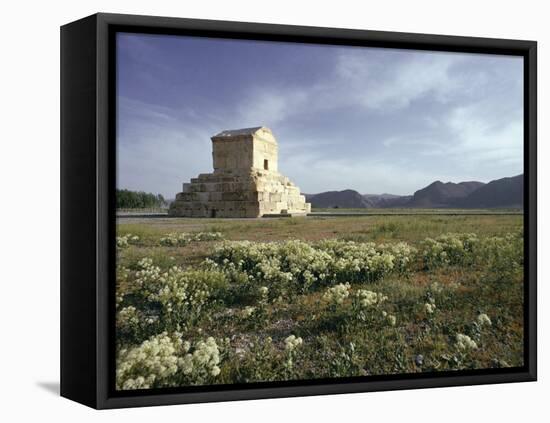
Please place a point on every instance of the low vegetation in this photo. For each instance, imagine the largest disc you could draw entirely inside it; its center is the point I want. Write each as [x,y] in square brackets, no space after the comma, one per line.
[246,301]
[126,199]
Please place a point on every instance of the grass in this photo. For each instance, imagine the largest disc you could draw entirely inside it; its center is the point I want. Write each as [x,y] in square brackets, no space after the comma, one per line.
[372,228]
[338,340]
[416,211]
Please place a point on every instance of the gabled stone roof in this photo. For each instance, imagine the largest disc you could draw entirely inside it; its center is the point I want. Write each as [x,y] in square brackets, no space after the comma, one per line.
[239,132]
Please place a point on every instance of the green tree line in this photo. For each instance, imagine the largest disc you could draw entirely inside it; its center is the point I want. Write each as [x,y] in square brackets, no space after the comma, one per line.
[126,199]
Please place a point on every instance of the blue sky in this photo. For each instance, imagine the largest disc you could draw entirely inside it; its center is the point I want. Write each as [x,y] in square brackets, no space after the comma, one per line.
[370,119]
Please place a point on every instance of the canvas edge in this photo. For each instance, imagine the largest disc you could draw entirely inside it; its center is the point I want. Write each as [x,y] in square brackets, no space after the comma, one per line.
[78,331]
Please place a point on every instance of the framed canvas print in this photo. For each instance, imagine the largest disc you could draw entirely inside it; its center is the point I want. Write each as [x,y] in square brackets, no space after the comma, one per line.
[255,211]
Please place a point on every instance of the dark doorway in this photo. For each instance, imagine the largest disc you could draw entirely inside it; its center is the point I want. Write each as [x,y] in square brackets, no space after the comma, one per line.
[266,164]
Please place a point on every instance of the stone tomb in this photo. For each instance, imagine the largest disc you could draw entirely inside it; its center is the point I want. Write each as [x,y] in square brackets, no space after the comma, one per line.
[245,181]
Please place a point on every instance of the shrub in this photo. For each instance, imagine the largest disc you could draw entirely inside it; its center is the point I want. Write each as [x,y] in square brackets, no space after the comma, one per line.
[504,256]
[165,360]
[293,265]
[501,256]
[124,241]
[366,298]
[181,294]
[403,255]
[449,249]
[356,262]
[337,294]
[299,266]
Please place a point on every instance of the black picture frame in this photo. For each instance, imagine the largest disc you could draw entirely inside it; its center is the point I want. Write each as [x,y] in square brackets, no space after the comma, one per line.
[88,208]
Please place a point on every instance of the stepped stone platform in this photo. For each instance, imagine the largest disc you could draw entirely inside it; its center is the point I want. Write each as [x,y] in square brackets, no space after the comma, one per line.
[245,181]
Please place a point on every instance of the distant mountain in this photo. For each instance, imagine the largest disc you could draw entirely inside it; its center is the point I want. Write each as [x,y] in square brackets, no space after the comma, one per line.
[382,196]
[387,200]
[352,199]
[344,199]
[505,192]
[439,194]
[395,201]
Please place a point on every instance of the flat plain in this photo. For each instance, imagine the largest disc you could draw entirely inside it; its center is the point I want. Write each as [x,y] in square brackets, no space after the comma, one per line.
[206,301]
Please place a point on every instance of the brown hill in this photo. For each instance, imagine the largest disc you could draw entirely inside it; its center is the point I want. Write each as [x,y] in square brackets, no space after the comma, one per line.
[505,192]
[439,194]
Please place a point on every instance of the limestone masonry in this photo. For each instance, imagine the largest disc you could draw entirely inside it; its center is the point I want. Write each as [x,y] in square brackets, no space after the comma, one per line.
[245,181]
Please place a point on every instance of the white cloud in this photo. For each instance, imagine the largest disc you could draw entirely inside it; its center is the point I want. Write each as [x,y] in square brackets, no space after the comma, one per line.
[380,80]
[158,148]
[270,107]
[389,80]
[482,141]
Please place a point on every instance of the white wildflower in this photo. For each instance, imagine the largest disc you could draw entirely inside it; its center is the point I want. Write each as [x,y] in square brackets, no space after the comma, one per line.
[127,317]
[464,342]
[215,371]
[337,294]
[291,342]
[483,320]
[366,298]
[247,312]
[429,308]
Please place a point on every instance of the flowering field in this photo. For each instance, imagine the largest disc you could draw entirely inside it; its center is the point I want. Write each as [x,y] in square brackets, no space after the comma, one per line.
[202,301]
